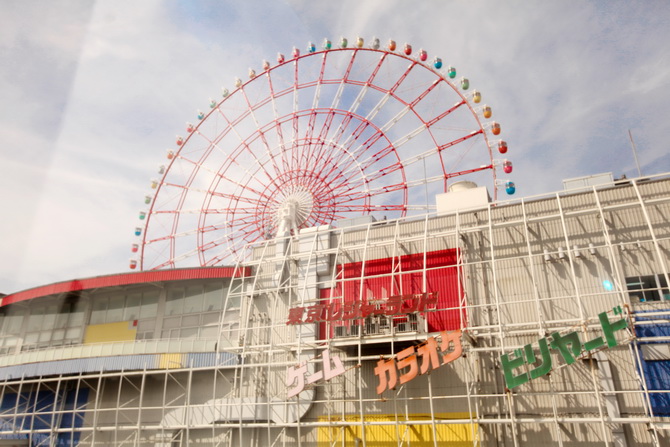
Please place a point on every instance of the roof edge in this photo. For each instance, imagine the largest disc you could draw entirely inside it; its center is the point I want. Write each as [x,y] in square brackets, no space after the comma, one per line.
[121,279]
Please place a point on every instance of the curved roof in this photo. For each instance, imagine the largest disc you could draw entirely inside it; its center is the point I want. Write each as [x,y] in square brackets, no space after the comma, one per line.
[122,279]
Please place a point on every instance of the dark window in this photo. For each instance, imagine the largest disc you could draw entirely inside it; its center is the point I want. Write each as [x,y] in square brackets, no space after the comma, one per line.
[648,288]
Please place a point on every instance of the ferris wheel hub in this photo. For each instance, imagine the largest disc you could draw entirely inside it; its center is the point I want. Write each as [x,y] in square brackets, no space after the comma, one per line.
[293,211]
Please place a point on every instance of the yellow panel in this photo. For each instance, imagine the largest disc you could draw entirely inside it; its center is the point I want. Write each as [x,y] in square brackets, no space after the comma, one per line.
[168,361]
[418,435]
[102,333]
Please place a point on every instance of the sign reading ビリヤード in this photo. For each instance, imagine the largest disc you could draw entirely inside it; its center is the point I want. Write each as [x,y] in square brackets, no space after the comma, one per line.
[450,349]
[569,346]
[354,310]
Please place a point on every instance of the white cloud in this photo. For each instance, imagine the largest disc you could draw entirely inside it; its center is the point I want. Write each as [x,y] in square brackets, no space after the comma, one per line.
[94,96]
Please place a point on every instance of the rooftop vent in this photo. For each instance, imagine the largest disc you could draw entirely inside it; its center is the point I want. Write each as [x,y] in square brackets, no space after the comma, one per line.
[461,196]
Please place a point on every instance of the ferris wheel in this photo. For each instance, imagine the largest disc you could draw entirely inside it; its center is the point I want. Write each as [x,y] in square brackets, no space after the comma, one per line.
[333,133]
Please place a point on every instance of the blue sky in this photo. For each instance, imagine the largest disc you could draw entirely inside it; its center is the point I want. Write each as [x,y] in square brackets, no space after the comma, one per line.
[93,93]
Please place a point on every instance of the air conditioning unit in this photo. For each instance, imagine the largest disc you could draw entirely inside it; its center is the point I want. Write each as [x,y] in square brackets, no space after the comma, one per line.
[371,328]
[354,329]
[413,322]
[340,331]
[384,324]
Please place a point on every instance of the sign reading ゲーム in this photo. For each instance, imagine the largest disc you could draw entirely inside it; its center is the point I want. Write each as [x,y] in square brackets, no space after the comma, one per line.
[569,346]
[354,310]
[332,367]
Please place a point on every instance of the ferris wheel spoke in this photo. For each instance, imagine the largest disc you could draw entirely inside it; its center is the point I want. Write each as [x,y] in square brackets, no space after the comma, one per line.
[248,232]
[256,194]
[442,115]
[213,228]
[353,193]
[166,237]
[352,166]
[241,221]
[296,110]
[391,148]
[335,105]
[402,77]
[228,240]
[431,151]
[275,113]
[468,171]
[184,187]
[345,147]
[359,97]
[370,208]
[472,134]
[322,146]
[200,164]
[388,94]
[261,135]
[315,100]
[172,260]
[243,144]
[341,128]
[425,92]
[237,210]
[386,127]
[255,200]
[372,176]
[232,249]
[357,102]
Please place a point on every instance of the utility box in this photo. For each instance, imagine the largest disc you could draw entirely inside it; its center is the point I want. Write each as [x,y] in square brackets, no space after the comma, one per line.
[588,181]
[461,196]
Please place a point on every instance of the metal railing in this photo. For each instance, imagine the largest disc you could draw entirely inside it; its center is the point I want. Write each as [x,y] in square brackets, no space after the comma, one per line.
[135,347]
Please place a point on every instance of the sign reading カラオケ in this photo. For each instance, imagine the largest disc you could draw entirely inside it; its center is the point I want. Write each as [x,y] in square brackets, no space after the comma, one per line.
[569,346]
[387,370]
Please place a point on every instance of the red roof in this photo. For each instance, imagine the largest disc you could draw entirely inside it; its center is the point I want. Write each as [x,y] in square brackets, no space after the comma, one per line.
[123,279]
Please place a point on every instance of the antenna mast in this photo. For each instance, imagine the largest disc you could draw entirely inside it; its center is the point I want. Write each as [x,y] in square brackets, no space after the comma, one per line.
[639,172]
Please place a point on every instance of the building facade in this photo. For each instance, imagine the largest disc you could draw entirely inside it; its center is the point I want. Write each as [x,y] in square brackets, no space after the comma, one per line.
[538,320]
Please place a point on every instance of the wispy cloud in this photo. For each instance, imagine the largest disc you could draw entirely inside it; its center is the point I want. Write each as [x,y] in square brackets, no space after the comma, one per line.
[94,93]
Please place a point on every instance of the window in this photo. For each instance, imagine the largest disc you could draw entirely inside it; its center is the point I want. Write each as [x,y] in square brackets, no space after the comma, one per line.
[115,309]
[54,324]
[203,325]
[213,297]
[12,321]
[134,306]
[648,288]
[149,306]
[132,309]
[99,310]
[193,300]
[174,304]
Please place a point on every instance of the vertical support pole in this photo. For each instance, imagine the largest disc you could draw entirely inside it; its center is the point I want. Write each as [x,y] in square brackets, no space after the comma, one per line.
[660,259]
[496,295]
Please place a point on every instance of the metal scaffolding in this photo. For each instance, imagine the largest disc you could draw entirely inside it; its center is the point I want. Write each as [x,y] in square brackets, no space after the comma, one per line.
[507,276]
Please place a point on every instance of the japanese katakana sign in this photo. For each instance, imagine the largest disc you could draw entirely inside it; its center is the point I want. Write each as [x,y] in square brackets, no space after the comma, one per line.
[392,371]
[332,367]
[354,310]
[569,346]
